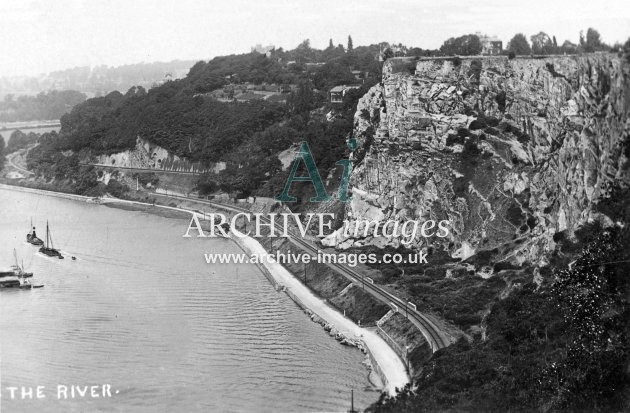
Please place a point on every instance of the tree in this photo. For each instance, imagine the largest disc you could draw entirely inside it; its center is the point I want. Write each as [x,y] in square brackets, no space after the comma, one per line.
[593,41]
[387,54]
[350,46]
[331,74]
[330,44]
[300,102]
[542,43]
[20,140]
[467,45]
[592,295]
[568,47]
[519,45]
[304,53]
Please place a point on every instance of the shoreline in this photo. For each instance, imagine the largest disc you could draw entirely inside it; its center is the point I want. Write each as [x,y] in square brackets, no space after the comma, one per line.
[382,357]
[384,360]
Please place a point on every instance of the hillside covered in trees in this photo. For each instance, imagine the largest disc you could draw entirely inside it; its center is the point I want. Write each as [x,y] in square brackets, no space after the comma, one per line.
[560,345]
[183,118]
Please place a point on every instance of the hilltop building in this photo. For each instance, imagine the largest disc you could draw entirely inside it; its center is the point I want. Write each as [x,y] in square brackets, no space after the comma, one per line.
[266,50]
[338,92]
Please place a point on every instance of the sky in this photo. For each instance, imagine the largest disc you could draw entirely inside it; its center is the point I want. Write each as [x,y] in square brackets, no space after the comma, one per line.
[40,36]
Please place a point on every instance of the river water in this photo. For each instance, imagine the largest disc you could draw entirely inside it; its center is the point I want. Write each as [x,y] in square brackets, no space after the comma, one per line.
[140,310]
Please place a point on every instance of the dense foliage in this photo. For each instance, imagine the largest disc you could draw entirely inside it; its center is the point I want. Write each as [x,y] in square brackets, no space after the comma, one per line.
[66,173]
[20,140]
[169,116]
[467,45]
[519,45]
[593,41]
[181,117]
[44,106]
[592,296]
[544,44]
[563,345]
[254,169]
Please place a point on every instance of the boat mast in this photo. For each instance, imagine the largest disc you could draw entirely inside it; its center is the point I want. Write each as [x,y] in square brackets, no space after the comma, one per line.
[47,236]
[52,244]
[352,402]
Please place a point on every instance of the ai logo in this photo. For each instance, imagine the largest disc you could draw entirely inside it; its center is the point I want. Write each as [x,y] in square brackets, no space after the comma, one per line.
[304,154]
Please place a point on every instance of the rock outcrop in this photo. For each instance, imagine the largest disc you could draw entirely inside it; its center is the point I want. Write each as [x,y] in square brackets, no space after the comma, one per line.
[147,155]
[510,151]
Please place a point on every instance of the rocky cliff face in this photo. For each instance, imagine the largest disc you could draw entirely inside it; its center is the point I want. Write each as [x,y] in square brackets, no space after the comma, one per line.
[147,155]
[511,152]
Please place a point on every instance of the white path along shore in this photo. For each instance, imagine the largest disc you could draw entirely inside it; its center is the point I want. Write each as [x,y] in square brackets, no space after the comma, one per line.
[390,365]
[388,361]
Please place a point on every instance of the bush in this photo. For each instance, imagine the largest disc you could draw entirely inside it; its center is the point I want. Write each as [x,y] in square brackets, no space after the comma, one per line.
[116,189]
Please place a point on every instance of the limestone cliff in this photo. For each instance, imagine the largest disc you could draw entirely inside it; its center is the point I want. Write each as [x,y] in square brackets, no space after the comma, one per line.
[510,151]
[147,155]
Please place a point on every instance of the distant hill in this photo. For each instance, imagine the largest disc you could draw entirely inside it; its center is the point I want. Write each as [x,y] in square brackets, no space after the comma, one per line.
[96,81]
[45,106]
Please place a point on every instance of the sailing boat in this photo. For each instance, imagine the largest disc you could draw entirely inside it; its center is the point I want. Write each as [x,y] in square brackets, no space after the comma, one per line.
[16,277]
[19,271]
[15,272]
[49,248]
[31,237]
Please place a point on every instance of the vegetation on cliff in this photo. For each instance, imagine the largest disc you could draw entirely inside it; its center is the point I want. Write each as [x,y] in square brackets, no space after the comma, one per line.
[468,45]
[169,116]
[544,44]
[20,140]
[561,345]
[182,118]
